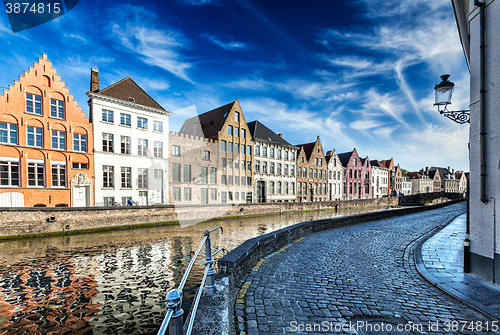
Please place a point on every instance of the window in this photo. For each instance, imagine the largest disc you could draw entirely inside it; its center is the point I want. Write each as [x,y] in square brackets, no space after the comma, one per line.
[271,168]
[107,116]
[243,165]
[58,175]
[236,131]
[187,173]
[187,194]
[34,103]
[35,174]
[158,149]
[236,196]
[279,169]
[125,145]
[176,173]
[158,126]
[286,188]
[142,147]
[310,173]
[236,148]
[176,193]
[264,151]
[230,180]
[242,149]
[236,164]
[80,166]
[315,173]
[213,175]
[315,160]
[249,166]
[279,154]
[223,179]
[8,133]
[278,190]
[292,188]
[243,181]
[264,167]
[126,177]
[286,169]
[230,146]
[230,130]
[158,174]
[57,108]
[206,155]
[249,181]
[223,162]
[292,156]
[142,178]
[272,187]
[237,116]
[302,159]
[249,150]
[271,152]
[257,150]
[125,119]
[142,123]
[229,163]
[109,201]
[80,142]
[230,195]
[107,176]
[176,150]
[321,162]
[292,170]
[243,134]
[35,136]
[350,173]
[257,167]
[213,194]
[58,140]
[236,180]
[107,142]
[355,162]
[286,155]
[223,145]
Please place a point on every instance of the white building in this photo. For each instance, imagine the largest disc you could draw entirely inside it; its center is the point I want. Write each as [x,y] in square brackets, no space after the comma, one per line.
[130,143]
[380,179]
[406,186]
[474,19]
[274,165]
[420,183]
[334,175]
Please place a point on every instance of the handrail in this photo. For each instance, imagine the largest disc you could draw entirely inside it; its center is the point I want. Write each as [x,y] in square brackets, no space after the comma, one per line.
[174,296]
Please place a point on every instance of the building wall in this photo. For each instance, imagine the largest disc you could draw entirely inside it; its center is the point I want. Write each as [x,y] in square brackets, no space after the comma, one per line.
[422,186]
[380,181]
[271,179]
[150,194]
[317,170]
[355,178]
[335,174]
[485,230]
[192,153]
[42,80]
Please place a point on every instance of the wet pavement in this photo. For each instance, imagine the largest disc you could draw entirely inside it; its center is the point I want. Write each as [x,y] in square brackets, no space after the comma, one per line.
[357,279]
[441,263]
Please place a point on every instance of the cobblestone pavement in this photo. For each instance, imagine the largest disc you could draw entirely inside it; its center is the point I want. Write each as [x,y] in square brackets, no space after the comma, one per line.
[348,279]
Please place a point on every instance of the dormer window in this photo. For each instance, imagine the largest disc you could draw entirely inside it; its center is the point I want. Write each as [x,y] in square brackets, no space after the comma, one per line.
[131,99]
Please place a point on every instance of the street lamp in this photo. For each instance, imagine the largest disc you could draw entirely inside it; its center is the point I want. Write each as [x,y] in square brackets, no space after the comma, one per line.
[443,92]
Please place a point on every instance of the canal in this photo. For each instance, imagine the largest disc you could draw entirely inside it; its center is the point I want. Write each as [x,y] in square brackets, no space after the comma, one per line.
[114,282]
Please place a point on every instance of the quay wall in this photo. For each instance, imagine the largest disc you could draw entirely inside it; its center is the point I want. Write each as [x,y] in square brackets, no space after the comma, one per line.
[40,221]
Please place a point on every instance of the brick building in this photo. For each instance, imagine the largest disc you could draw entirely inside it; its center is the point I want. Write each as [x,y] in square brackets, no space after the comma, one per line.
[46,143]
[312,170]
[194,164]
[334,175]
[226,126]
[357,175]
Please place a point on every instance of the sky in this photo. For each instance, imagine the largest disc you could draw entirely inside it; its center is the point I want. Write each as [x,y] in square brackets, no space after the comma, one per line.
[359,74]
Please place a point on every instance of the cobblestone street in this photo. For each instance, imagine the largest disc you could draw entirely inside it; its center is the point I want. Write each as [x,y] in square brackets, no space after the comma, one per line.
[330,279]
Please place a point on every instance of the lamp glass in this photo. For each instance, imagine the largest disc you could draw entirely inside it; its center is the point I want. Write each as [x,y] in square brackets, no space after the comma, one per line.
[443,95]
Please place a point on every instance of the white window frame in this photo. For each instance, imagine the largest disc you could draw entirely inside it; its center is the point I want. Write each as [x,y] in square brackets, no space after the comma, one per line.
[158,149]
[36,136]
[58,135]
[9,163]
[37,166]
[60,172]
[79,142]
[158,126]
[10,130]
[142,123]
[57,109]
[34,103]
[108,116]
[142,147]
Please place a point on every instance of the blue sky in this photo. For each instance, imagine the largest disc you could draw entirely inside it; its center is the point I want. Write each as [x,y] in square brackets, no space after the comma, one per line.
[358,73]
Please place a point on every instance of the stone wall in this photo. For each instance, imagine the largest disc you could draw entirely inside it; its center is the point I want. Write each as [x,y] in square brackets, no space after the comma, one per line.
[20,222]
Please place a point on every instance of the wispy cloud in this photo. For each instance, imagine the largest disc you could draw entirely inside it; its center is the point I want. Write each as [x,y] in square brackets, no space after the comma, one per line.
[227,45]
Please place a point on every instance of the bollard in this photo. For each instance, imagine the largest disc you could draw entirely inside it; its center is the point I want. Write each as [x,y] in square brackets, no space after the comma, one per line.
[210,263]
[174,302]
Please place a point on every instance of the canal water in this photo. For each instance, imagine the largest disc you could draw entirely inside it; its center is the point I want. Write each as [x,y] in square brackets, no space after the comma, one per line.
[114,282]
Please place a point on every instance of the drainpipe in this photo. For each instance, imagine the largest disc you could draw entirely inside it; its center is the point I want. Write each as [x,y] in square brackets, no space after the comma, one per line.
[482,100]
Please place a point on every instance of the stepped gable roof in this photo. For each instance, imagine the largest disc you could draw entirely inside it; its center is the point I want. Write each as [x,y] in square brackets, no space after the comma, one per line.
[363,160]
[126,89]
[344,157]
[442,171]
[211,122]
[308,148]
[261,132]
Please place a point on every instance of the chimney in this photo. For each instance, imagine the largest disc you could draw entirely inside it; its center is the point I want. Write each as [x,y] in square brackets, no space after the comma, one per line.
[94,80]
[453,171]
[280,135]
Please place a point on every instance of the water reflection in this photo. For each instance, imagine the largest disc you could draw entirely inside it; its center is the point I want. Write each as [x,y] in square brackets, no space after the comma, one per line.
[112,282]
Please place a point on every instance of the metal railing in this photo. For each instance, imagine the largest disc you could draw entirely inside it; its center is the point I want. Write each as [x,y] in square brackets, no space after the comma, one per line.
[174,296]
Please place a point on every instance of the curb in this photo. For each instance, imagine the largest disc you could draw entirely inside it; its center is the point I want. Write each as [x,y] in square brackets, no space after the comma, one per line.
[422,270]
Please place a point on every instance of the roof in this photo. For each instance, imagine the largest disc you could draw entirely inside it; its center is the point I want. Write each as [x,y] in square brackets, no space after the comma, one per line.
[414,175]
[211,122]
[442,171]
[126,89]
[261,132]
[458,175]
[308,148]
[387,163]
[344,157]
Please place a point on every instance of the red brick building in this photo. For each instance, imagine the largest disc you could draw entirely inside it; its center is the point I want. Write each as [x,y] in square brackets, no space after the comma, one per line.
[46,143]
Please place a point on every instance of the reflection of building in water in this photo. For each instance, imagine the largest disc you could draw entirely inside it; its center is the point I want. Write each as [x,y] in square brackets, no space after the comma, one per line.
[51,298]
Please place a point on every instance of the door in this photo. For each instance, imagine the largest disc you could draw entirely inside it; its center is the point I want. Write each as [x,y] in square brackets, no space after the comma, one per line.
[223,197]
[204,195]
[12,199]
[261,191]
[80,196]
[143,198]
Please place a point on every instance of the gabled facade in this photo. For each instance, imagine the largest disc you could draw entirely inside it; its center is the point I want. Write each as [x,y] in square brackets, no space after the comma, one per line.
[462,181]
[420,183]
[436,178]
[380,179]
[356,176]
[447,177]
[46,143]
[312,167]
[130,141]
[398,179]
[391,174]
[334,176]
[406,185]
[275,165]
[227,127]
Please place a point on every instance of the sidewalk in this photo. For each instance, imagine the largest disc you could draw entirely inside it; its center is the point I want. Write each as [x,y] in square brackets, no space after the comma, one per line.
[440,260]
